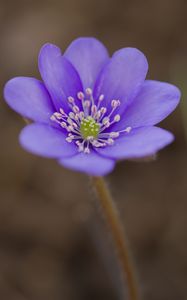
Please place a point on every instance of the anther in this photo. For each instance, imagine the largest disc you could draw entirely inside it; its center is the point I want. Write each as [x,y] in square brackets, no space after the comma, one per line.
[95,143]
[62,111]
[76,117]
[101,97]
[70,121]
[81,115]
[70,128]
[114,134]
[103,110]
[70,138]
[94,109]
[87,103]
[75,109]
[89,91]
[87,150]
[71,115]
[74,125]
[98,115]
[71,100]
[115,103]
[63,125]
[110,141]
[128,129]
[105,120]
[53,118]
[80,95]
[98,144]
[117,118]
[58,115]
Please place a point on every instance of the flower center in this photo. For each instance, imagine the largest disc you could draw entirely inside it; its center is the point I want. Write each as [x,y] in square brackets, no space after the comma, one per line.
[87,125]
[89,128]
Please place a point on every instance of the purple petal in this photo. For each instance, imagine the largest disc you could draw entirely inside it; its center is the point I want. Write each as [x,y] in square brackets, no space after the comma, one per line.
[122,77]
[46,141]
[88,56]
[29,97]
[92,164]
[140,142]
[155,101]
[59,76]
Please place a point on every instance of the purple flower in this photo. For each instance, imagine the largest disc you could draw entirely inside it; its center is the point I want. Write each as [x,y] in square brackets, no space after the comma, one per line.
[91,110]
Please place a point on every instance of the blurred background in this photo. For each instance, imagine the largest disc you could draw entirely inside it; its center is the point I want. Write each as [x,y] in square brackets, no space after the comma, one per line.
[53,243]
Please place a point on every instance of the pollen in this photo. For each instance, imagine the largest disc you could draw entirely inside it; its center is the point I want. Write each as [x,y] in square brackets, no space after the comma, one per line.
[89,128]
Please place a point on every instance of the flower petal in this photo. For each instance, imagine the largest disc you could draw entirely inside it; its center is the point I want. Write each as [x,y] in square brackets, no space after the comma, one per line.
[46,141]
[140,142]
[59,76]
[122,77]
[92,164]
[29,97]
[88,56]
[155,101]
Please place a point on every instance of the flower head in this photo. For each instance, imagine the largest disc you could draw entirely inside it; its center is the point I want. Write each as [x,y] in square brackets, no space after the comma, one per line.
[91,110]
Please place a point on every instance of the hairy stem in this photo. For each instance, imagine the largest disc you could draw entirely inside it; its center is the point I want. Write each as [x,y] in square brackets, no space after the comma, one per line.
[117,232]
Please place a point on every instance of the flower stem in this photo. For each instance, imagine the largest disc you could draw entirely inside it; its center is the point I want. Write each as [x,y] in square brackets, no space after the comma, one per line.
[112,218]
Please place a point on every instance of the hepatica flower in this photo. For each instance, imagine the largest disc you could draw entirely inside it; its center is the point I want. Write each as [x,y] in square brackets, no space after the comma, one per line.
[91,110]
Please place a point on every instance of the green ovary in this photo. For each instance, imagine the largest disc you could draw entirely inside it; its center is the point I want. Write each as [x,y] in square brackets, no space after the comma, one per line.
[89,128]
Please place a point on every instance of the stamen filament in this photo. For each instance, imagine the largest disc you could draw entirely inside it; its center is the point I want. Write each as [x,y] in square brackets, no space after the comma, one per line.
[87,126]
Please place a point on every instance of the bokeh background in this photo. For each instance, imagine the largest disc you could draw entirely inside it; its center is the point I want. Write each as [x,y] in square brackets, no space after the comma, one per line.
[53,244]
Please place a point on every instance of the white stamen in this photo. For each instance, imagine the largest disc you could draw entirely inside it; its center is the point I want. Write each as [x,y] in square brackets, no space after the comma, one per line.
[75,109]
[101,97]
[117,118]
[103,110]
[58,115]
[89,91]
[71,100]
[74,125]
[62,111]
[63,125]
[70,138]
[70,128]
[115,103]
[81,148]
[114,134]
[71,115]
[52,118]
[80,145]
[110,141]
[97,115]
[89,115]
[94,109]
[77,117]
[128,129]
[90,138]
[98,144]
[81,115]
[87,150]
[106,120]
[87,103]
[80,95]
[70,121]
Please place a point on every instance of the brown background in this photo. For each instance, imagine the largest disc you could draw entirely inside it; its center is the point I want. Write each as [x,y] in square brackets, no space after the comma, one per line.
[52,242]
